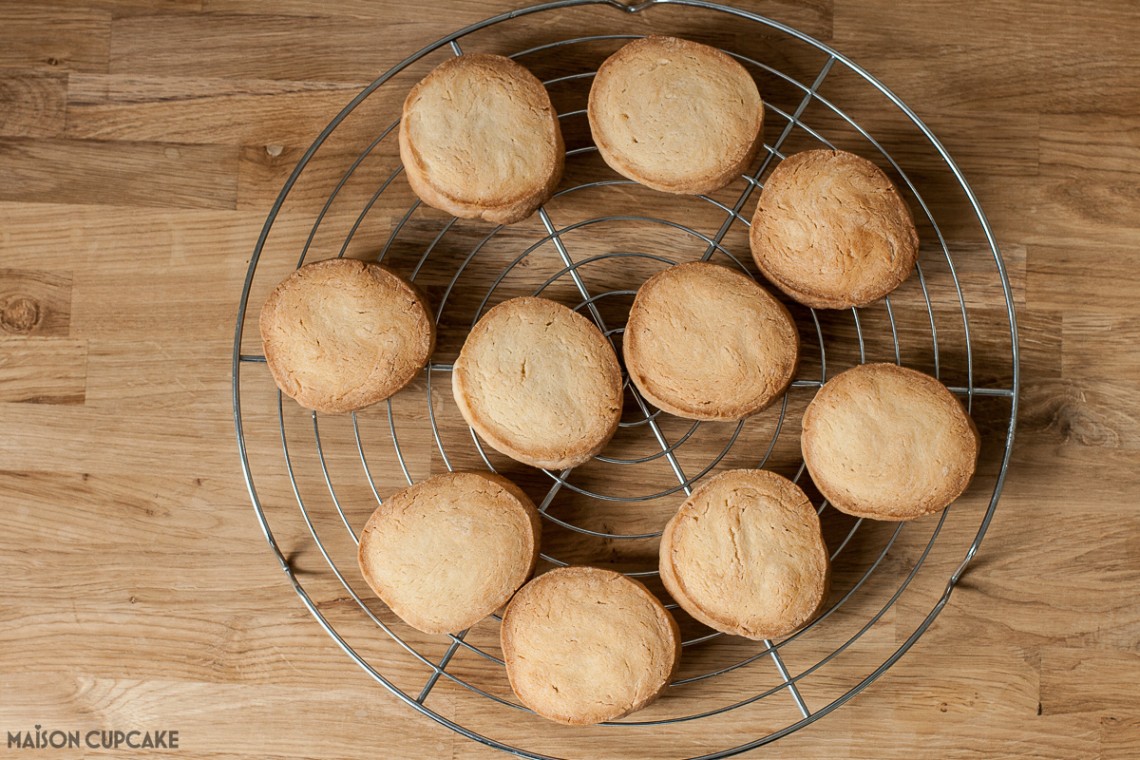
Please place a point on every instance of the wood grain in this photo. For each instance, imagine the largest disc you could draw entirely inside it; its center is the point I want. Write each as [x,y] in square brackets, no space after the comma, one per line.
[142,143]
[35,303]
[204,111]
[32,103]
[47,371]
[118,173]
[48,37]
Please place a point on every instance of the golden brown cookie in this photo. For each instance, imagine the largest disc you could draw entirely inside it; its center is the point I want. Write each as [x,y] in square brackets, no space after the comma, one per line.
[707,343]
[675,115]
[832,231]
[888,443]
[479,139]
[539,383]
[450,550]
[342,334]
[584,645]
[745,555]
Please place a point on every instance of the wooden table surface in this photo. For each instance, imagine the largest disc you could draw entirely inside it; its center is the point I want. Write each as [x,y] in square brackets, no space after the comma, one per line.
[141,145]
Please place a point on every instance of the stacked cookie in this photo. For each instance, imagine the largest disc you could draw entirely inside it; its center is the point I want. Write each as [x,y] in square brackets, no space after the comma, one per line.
[744,554]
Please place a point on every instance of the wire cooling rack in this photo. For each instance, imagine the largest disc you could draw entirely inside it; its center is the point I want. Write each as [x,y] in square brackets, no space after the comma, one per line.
[314,479]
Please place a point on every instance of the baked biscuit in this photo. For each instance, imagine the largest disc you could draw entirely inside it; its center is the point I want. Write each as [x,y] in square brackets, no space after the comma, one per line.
[745,555]
[707,343]
[539,383]
[888,443]
[832,231]
[445,553]
[675,115]
[480,140]
[342,334]
[584,645]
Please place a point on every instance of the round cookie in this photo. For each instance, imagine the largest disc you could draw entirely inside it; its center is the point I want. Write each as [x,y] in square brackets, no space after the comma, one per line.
[745,555]
[707,343]
[539,383]
[445,553]
[832,231]
[342,334]
[888,443]
[480,139]
[675,115]
[584,645]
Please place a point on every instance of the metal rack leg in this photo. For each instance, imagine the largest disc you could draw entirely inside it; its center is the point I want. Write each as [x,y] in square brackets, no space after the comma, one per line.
[451,650]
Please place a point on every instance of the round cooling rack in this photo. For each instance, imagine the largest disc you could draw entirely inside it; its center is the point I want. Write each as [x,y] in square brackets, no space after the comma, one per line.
[314,479]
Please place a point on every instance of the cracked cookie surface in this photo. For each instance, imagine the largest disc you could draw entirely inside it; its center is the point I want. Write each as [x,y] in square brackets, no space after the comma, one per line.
[450,550]
[539,383]
[584,645]
[744,555]
[832,231]
[342,334]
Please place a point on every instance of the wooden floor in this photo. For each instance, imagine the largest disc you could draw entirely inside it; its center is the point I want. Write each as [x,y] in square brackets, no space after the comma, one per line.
[142,143]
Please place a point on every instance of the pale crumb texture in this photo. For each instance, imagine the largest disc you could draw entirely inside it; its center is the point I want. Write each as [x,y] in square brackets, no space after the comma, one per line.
[342,334]
[445,553]
[675,115]
[539,383]
[831,230]
[480,139]
[888,443]
[707,343]
[584,645]
[745,555]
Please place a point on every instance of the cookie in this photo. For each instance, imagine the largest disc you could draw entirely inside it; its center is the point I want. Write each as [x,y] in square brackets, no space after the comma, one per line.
[832,231]
[539,383]
[744,555]
[445,553]
[584,645]
[342,334]
[675,115]
[888,443]
[480,140]
[707,343]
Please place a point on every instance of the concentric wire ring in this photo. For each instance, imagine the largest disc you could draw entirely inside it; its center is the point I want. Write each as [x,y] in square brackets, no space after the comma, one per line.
[558,238]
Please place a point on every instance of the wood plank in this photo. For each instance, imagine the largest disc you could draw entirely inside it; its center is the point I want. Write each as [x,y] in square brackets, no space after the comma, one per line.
[205,111]
[162,238]
[43,370]
[1080,680]
[1119,737]
[1081,359]
[1096,611]
[1004,70]
[119,8]
[1108,271]
[164,309]
[51,37]
[1084,412]
[1081,165]
[35,303]
[323,48]
[140,373]
[118,173]
[73,440]
[812,16]
[1102,382]
[32,103]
